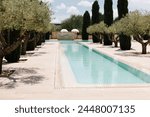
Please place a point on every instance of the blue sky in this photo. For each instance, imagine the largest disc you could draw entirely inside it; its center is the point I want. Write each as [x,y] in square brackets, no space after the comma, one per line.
[65,8]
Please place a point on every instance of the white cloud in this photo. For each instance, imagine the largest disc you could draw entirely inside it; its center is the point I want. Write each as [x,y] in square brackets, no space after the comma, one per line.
[56,21]
[85,3]
[59,18]
[61,6]
[115,13]
[139,5]
[73,10]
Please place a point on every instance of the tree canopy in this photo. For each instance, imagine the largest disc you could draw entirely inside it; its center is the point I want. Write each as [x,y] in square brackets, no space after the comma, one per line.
[97,28]
[86,24]
[95,19]
[95,13]
[108,12]
[74,22]
[108,19]
[136,24]
[21,17]
[25,15]
[122,8]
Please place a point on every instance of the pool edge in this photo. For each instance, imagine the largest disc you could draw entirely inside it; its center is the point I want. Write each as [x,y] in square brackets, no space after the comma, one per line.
[126,65]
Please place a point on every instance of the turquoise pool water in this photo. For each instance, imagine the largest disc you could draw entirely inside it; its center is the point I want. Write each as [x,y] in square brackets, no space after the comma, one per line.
[90,67]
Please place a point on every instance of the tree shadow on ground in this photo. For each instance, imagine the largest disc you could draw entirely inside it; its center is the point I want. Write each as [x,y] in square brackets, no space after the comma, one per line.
[133,54]
[119,50]
[21,60]
[19,77]
[31,54]
[32,80]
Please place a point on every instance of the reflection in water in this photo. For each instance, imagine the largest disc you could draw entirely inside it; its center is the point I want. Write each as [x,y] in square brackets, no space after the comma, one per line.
[90,67]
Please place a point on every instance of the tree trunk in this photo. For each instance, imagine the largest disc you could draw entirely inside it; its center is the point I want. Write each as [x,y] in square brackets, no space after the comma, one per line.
[116,44]
[40,39]
[1,60]
[144,49]
[101,40]
[24,47]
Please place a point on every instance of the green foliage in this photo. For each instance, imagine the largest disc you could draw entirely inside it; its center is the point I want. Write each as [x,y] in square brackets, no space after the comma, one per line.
[135,23]
[108,19]
[86,24]
[74,22]
[24,15]
[55,28]
[125,41]
[95,13]
[108,12]
[97,28]
[101,17]
[122,8]
[95,19]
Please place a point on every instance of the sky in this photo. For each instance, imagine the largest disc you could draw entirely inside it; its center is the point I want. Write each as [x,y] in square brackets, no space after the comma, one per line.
[63,9]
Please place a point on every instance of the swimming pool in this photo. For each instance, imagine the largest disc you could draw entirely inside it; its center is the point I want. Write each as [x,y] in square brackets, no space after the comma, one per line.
[91,67]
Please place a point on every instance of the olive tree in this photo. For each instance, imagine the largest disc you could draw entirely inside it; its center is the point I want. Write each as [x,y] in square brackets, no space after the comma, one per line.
[23,16]
[103,29]
[136,24]
[97,30]
[113,32]
[39,24]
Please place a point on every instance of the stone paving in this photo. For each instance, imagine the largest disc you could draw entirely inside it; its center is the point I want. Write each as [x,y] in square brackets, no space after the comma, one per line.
[37,76]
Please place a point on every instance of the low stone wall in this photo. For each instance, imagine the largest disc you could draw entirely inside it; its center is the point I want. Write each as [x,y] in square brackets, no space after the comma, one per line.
[67,36]
[54,35]
[64,36]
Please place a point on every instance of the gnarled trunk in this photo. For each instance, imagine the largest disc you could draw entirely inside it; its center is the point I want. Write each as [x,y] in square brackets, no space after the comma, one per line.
[14,56]
[40,39]
[140,39]
[116,43]
[7,49]
[31,43]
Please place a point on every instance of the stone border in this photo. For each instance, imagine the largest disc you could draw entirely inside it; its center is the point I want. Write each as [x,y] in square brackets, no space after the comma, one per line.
[67,79]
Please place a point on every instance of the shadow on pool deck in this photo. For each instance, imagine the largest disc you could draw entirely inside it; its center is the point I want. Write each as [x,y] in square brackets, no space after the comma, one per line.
[30,77]
[136,54]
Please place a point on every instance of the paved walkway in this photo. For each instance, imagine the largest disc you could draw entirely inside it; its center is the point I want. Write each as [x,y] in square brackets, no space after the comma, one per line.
[38,78]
